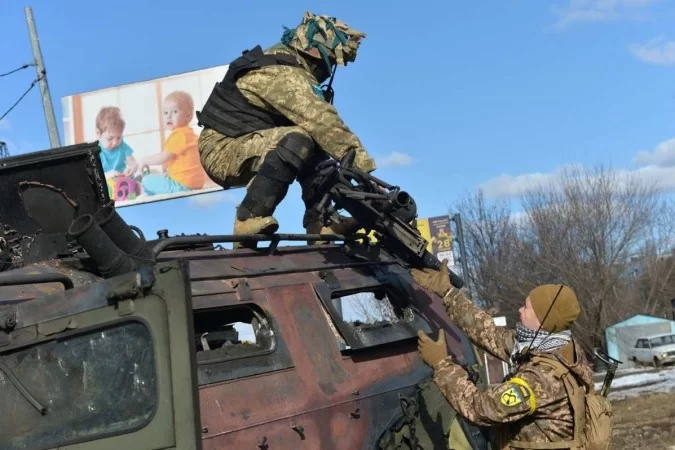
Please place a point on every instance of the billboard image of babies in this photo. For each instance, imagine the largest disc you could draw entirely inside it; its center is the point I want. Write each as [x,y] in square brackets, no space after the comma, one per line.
[116,155]
[180,157]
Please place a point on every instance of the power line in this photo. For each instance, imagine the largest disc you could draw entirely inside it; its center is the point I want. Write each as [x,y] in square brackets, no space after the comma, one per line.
[25,66]
[32,85]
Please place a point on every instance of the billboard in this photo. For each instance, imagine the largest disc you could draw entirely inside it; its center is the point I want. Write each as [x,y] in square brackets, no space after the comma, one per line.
[148,135]
[438,234]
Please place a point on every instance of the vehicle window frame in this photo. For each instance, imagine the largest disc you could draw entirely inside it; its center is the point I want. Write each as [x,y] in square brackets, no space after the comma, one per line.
[662,341]
[403,331]
[221,369]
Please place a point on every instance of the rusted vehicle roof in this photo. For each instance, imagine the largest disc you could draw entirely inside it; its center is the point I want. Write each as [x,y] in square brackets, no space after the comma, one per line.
[178,343]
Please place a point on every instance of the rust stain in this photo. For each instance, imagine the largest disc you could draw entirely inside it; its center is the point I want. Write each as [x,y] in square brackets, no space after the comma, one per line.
[322,348]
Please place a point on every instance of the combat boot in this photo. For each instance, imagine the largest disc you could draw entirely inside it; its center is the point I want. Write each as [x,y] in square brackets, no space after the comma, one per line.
[254,225]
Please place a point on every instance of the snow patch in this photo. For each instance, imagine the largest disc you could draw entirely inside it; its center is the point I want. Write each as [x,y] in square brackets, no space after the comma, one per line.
[627,386]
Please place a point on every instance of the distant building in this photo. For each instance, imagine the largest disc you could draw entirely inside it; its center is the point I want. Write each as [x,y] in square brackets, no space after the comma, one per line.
[622,336]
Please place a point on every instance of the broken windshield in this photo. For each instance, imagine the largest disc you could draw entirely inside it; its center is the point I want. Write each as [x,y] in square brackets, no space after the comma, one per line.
[92,385]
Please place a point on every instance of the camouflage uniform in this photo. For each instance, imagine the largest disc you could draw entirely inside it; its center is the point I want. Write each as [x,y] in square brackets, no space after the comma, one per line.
[532,405]
[306,127]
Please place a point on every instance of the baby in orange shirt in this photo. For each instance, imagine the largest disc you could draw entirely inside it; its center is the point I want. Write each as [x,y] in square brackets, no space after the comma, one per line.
[180,158]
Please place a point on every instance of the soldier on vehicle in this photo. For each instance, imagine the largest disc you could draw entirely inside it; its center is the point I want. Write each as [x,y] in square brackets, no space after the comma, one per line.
[532,405]
[269,123]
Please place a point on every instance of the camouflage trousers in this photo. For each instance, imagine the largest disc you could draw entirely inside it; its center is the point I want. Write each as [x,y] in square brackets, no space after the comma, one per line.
[233,162]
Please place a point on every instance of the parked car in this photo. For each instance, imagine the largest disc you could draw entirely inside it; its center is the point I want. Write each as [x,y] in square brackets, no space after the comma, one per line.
[656,349]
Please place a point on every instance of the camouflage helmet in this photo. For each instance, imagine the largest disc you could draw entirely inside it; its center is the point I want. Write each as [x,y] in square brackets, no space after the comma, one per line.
[324,37]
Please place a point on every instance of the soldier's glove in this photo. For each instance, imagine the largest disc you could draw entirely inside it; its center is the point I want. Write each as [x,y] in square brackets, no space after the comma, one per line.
[432,352]
[436,281]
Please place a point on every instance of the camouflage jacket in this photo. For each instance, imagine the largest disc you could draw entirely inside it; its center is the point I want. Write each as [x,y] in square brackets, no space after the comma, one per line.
[290,91]
[532,406]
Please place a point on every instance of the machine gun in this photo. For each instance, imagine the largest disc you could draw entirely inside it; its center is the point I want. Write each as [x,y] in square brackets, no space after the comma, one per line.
[377,206]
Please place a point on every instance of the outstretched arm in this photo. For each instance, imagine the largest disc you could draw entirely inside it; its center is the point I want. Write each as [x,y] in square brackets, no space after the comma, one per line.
[478,325]
[508,402]
[289,91]
[158,158]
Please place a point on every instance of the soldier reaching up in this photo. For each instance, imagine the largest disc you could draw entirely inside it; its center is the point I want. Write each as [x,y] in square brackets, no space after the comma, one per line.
[531,408]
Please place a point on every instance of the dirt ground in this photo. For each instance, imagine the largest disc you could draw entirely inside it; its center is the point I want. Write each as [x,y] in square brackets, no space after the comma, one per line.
[644,422]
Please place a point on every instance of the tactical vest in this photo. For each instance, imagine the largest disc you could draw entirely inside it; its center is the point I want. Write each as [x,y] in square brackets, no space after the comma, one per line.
[228,111]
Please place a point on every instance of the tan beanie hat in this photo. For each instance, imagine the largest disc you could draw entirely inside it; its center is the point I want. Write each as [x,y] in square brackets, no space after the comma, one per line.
[565,310]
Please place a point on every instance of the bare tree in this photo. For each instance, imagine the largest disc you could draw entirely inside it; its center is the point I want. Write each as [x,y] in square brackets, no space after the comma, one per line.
[494,247]
[588,229]
[364,307]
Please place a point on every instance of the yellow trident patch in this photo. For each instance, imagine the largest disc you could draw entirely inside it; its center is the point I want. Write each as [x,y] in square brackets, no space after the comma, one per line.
[511,397]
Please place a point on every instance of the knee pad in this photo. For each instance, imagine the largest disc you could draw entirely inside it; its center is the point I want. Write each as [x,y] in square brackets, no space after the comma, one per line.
[295,149]
[274,168]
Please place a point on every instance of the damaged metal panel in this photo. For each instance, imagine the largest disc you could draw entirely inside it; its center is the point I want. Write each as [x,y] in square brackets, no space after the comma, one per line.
[324,401]
[262,335]
[307,393]
[34,206]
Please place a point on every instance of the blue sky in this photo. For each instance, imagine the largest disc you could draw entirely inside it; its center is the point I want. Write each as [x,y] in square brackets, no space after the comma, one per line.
[447,96]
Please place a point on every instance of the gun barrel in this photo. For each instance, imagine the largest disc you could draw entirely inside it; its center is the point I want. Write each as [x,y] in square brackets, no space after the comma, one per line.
[612,365]
[402,199]
[609,377]
[405,207]
[430,261]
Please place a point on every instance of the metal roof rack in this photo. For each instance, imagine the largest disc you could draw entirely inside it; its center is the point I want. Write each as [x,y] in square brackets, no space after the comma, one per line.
[163,244]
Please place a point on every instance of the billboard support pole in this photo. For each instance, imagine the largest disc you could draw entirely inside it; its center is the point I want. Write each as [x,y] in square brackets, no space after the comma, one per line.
[462,249]
[54,139]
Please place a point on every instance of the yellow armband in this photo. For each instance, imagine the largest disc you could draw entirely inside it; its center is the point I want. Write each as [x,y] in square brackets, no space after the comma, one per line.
[523,383]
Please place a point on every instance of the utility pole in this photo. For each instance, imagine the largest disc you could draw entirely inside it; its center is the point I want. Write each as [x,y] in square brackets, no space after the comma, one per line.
[54,139]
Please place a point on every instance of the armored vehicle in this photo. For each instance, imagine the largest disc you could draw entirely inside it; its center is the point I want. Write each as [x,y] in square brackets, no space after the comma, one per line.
[112,341]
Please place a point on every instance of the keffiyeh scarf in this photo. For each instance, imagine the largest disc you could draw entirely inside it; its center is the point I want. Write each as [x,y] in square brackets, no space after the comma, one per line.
[544,342]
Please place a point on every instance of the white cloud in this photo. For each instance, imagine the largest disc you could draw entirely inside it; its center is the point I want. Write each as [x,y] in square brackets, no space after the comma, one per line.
[662,156]
[579,11]
[506,186]
[655,167]
[657,51]
[663,177]
[212,198]
[5,125]
[394,159]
